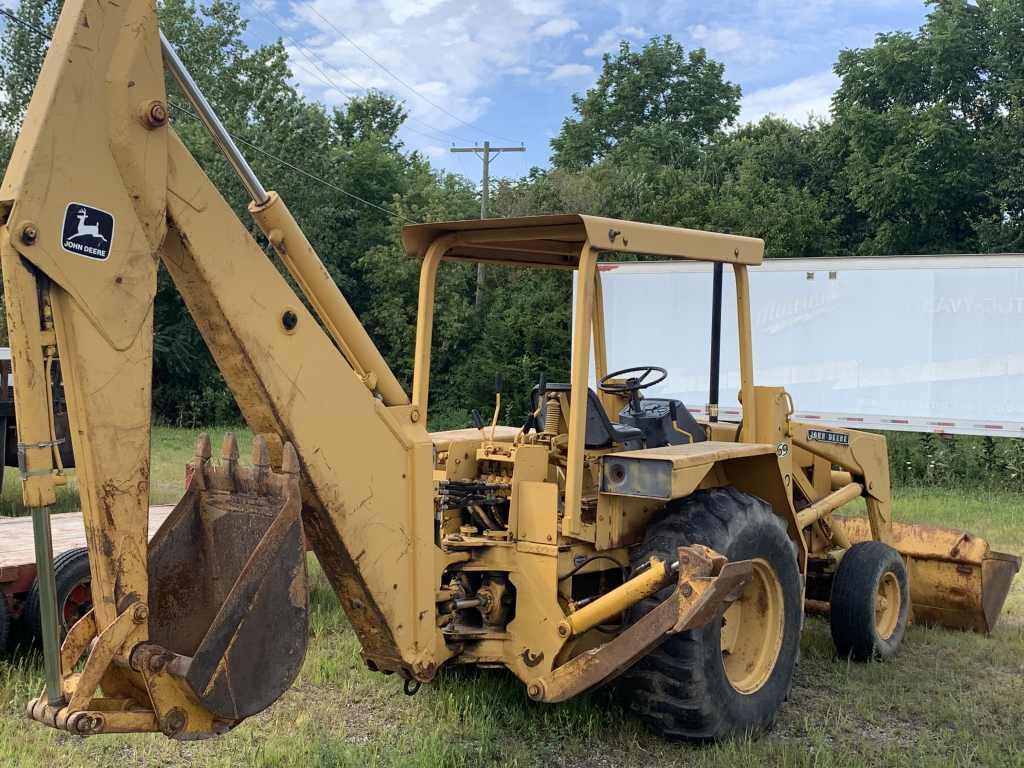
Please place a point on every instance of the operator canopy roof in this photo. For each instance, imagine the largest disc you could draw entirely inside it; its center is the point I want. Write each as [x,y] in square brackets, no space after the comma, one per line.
[555,241]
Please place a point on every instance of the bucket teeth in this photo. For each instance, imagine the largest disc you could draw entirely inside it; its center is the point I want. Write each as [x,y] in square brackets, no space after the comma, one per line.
[203,451]
[230,475]
[229,448]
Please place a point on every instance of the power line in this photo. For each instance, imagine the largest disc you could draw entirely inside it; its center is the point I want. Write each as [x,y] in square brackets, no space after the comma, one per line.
[399,79]
[331,84]
[325,78]
[26,24]
[302,171]
[46,35]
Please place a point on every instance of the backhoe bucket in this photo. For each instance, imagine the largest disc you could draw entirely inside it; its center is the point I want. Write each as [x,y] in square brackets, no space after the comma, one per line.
[956,579]
[227,576]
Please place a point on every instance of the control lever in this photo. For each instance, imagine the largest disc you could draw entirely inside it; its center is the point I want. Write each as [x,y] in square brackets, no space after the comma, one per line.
[478,421]
[498,381]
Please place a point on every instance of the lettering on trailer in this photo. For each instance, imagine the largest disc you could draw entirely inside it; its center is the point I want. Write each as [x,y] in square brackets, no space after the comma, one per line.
[824,436]
[87,231]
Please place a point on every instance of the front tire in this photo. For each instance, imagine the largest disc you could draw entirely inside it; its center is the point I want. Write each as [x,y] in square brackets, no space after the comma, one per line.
[870,602]
[730,676]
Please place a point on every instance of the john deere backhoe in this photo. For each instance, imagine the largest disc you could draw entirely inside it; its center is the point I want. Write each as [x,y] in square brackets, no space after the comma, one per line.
[612,539]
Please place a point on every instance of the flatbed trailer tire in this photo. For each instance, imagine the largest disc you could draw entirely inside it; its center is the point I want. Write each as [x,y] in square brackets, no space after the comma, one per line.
[74,597]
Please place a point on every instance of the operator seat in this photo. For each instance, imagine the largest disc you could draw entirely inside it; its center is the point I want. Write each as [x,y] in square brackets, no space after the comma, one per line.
[601,431]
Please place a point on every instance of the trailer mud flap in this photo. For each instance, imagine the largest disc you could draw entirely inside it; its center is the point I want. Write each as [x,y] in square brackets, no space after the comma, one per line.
[228,585]
[956,579]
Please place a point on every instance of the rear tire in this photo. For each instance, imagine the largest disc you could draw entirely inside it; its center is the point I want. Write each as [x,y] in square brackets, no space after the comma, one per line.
[690,687]
[870,602]
[74,595]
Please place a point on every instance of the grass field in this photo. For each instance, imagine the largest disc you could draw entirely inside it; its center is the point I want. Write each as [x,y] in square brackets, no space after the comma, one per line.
[950,699]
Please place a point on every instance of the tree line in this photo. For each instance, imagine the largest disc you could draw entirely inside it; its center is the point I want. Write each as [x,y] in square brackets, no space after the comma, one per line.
[921,153]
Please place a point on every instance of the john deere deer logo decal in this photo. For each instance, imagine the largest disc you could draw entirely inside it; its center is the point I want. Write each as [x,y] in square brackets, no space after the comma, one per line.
[87,231]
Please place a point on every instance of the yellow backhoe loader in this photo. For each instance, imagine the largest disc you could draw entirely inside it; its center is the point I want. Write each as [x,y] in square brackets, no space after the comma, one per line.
[610,539]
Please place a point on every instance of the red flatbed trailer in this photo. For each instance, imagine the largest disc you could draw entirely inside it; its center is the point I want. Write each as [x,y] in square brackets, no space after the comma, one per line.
[18,556]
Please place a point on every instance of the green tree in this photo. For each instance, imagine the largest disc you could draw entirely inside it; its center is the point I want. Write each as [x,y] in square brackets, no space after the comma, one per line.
[355,148]
[930,124]
[660,101]
[765,182]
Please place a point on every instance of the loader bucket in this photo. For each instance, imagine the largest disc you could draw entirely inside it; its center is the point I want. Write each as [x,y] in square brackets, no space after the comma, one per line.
[956,579]
[227,580]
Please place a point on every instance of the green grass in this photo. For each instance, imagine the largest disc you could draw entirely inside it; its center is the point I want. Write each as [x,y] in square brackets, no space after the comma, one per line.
[172,449]
[950,699]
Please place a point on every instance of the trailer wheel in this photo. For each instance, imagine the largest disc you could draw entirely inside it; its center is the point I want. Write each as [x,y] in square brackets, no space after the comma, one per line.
[730,676]
[74,594]
[870,602]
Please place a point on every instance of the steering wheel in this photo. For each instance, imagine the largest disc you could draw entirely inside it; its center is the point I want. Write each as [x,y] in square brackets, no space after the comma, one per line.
[632,384]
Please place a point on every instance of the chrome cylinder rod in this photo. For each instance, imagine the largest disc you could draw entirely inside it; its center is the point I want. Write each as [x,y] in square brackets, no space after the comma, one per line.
[213,124]
[47,604]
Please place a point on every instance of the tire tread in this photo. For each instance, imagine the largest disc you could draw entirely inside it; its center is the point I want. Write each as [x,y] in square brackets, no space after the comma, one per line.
[668,689]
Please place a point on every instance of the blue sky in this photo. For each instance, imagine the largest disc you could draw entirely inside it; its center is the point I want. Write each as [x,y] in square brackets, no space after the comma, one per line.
[505,71]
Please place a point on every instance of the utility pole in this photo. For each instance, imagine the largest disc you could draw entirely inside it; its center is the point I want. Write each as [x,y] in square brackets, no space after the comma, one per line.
[485,153]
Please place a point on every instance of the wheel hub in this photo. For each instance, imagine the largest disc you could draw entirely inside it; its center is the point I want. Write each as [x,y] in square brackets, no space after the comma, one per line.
[76,604]
[752,631]
[887,605]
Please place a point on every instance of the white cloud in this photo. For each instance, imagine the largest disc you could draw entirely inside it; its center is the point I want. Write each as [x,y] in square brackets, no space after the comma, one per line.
[401,11]
[556,27]
[609,40]
[717,39]
[438,47]
[796,100]
[566,71]
[537,7]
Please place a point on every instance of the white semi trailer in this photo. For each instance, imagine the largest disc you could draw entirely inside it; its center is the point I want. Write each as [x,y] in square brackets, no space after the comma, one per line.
[919,343]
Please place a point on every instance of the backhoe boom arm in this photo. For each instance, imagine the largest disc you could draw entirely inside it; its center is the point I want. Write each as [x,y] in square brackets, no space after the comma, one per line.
[100,191]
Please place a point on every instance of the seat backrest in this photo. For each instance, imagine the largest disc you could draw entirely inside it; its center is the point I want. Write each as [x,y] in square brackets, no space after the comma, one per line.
[600,432]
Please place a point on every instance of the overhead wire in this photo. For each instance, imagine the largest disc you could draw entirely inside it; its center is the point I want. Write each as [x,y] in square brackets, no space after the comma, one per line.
[327,80]
[255,147]
[398,79]
[25,24]
[322,75]
[330,84]
[302,171]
